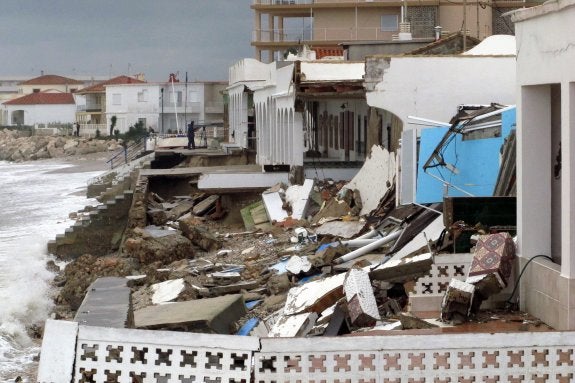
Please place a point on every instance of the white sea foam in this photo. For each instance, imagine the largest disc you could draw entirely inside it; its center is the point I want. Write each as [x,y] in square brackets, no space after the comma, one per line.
[35,204]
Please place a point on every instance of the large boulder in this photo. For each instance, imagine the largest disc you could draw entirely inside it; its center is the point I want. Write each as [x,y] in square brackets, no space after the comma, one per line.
[163,249]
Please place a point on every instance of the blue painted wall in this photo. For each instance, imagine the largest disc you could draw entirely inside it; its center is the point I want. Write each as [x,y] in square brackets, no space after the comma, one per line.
[476,160]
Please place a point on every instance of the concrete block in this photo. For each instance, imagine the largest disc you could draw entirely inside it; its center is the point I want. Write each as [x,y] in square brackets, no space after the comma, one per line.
[361,302]
[457,300]
[494,253]
[58,352]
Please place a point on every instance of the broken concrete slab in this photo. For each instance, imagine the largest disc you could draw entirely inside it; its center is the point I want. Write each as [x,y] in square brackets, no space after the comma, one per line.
[374,178]
[403,270]
[298,198]
[167,291]
[106,304]
[361,303]
[233,288]
[342,229]
[180,209]
[314,296]
[211,315]
[457,301]
[293,325]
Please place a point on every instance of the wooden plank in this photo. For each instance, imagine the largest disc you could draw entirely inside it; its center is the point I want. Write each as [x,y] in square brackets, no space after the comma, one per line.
[205,205]
[259,214]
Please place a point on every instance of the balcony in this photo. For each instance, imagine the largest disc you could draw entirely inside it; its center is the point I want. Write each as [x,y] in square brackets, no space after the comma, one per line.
[89,108]
[288,37]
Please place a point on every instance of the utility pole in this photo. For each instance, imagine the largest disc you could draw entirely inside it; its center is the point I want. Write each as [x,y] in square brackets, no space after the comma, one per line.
[186,103]
[162,97]
[464,25]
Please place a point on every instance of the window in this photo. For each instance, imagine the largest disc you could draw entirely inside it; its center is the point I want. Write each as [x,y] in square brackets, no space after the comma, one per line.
[193,96]
[389,23]
[176,98]
[116,99]
[143,96]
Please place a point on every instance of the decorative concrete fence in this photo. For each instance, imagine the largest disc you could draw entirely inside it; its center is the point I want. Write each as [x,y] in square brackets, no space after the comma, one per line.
[73,353]
[429,289]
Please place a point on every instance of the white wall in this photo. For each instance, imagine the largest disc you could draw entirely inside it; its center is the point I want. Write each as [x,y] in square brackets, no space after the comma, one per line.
[131,107]
[433,87]
[44,114]
[546,113]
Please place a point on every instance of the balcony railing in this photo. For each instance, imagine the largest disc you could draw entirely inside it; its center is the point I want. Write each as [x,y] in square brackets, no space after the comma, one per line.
[333,34]
[89,108]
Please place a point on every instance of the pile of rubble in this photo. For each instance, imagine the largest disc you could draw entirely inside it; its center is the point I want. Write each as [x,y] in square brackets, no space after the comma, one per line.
[310,260]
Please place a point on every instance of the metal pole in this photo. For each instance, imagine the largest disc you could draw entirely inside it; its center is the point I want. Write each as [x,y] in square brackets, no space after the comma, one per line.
[186,103]
[464,25]
[162,97]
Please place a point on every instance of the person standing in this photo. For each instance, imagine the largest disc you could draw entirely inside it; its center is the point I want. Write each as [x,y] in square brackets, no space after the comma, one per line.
[77,129]
[191,143]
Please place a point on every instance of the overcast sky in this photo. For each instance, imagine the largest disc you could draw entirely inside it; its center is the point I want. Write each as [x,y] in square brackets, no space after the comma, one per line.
[114,37]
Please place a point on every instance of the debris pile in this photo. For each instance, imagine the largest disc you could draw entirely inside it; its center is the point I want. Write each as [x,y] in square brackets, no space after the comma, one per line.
[324,258]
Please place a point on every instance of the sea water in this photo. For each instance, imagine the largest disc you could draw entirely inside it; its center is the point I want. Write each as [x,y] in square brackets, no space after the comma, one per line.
[35,201]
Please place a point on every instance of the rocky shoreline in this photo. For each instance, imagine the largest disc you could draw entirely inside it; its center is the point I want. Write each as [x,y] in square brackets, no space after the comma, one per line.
[18,146]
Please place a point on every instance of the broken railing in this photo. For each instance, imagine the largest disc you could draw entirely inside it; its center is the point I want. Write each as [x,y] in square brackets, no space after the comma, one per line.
[73,353]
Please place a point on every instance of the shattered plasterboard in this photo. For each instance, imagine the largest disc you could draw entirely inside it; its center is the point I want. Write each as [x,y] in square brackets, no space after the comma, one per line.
[298,198]
[343,229]
[431,233]
[274,206]
[293,325]
[374,178]
[167,291]
[314,296]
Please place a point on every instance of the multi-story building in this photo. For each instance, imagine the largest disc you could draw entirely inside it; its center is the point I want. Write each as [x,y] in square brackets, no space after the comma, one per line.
[165,107]
[282,25]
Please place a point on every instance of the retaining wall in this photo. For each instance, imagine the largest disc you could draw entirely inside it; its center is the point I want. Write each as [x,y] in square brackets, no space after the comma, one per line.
[73,353]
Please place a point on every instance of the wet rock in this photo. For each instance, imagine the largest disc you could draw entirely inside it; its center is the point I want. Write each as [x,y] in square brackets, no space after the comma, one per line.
[199,236]
[80,273]
[164,249]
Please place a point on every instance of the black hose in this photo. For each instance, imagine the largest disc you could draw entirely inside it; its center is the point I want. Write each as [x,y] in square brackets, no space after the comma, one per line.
[521,274]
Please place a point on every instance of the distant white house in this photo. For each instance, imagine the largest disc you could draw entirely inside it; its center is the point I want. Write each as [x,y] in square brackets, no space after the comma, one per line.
[40,108]
[165,107]
[132,103]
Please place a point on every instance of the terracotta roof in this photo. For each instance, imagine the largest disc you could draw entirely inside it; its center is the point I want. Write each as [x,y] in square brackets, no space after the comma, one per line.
[99,87]
[329,51]
[52,79]
[43,98]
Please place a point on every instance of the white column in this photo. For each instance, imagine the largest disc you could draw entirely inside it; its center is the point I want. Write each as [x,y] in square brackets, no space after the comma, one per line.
[568,179]
[534,171]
